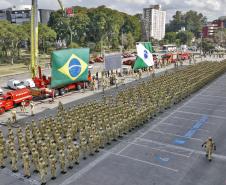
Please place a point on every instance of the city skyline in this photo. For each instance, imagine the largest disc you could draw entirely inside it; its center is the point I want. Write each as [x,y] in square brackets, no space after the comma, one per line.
[212,9]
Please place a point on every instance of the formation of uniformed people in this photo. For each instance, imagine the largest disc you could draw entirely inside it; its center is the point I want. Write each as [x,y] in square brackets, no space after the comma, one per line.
[56,144]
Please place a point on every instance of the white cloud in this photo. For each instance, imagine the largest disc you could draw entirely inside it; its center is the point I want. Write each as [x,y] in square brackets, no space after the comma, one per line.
[5,4]
[210,8]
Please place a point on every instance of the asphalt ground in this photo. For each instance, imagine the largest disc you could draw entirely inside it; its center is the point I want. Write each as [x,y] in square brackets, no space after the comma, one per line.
[166,151]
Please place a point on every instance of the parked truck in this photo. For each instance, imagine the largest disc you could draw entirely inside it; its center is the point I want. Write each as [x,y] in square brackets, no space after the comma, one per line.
[14,98]
[69,71]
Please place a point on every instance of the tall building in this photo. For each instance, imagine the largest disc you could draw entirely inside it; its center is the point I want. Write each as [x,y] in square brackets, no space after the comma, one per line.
[22,13]
[4,15]
[154,20]
[212,27]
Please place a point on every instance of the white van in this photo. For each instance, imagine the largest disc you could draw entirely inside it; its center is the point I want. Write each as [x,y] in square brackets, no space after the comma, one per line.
[15,84]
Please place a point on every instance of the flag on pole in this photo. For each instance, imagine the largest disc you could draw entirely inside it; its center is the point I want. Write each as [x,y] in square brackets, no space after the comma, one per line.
[144,55]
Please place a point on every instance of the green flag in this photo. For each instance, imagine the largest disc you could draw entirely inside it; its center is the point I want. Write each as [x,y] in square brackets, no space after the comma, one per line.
[69,66]
[144,55]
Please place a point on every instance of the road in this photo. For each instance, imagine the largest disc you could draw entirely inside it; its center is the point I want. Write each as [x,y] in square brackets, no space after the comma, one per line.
[96,67]
[46,108]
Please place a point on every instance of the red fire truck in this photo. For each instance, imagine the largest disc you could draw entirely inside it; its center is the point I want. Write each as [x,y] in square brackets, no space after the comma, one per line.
[14,98]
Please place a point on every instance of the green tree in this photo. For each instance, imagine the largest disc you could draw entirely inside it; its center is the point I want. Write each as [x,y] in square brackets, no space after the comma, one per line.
[170,37]
[96,25]
[73,45]
[6,37]
[79,25]
[47,37]
[177,22]
[11,37]
[185,37]
[61,25]
[206,45]
[220,37]
[129,42]
[191,20]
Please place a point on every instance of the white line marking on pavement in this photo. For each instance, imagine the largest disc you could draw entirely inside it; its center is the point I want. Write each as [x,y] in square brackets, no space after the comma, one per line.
[200,114]
[219,86]
[127,146]
[153,148]
[83,171]
[222,157]
[208,109]
[182,126]
[190,119]
[171,134]
[213,96]
[207,99]
[196,102]
[146,162]
[162,120]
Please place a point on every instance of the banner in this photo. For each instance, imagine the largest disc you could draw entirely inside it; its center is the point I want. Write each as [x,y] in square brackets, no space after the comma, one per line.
[69,66]
[112,61]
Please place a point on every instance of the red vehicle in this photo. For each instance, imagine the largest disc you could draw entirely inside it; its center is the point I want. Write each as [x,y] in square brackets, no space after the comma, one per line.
[129,62]
[184,56]
[42,83]
[14,98]
[169,57]
[99,59]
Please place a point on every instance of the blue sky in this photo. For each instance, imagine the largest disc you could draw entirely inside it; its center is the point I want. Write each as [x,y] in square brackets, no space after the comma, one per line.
[210,8]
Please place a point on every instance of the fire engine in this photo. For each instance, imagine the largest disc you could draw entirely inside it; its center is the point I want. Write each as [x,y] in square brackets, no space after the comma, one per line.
[14,98]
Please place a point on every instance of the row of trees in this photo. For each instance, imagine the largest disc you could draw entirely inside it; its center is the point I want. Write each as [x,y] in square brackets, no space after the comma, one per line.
[218,39]
[14,37]
[192,21]
[179,38]
[97,27]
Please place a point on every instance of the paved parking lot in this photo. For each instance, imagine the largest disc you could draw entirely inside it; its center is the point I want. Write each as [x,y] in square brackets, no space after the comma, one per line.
[167,151]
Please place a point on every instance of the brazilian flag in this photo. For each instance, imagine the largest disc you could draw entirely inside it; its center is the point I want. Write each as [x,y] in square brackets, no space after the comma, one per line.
[69,66]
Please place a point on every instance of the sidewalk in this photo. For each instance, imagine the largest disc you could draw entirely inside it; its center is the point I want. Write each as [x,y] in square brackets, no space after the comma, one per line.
[41,106]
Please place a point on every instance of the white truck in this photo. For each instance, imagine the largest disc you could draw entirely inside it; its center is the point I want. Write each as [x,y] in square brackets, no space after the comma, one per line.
[15,84]
[29,83]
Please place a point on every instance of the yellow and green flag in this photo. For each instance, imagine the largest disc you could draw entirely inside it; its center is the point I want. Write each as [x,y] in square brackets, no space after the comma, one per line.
[69,66]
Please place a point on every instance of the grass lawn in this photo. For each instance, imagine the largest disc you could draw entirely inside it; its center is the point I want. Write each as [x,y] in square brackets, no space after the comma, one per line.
[6,69]
[19,65]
